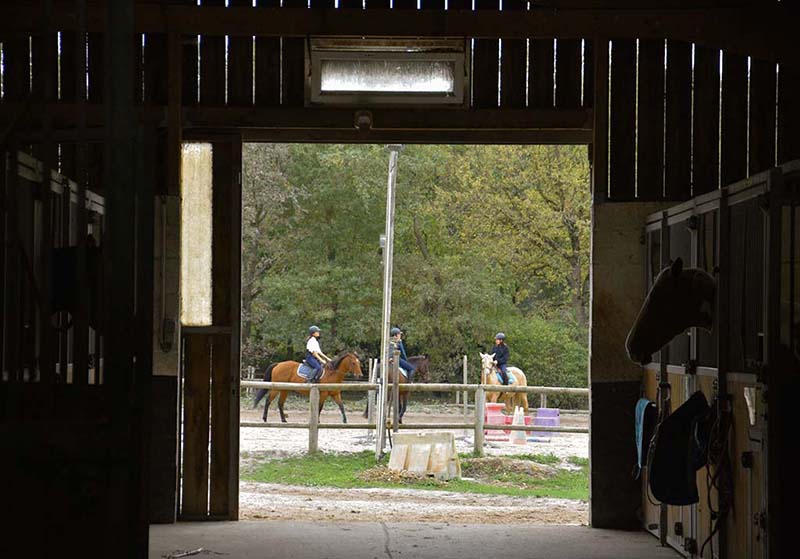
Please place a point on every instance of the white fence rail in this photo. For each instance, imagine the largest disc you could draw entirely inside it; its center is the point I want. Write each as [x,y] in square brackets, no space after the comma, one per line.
[477,425]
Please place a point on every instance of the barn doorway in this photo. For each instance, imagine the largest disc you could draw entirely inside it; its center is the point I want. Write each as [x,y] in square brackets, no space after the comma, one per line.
[487,239]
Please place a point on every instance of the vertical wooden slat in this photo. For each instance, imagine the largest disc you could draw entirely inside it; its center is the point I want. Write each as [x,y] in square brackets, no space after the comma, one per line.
[44,46]
[189,63]
[3,241]
[588,72]
[95,93]
[221,311]
[622,117]
[16,81]
[540,74]
[485,64]
[240,66]
[513,65]
[12,284]
[677,172]
[220,426]
[599,147]
[212,65]
[705,145]
[268,65]
[175,60]
[234,391]
[377,4]
[762,116]
[155,69]
[80,332]
[72,65]
[147,147]
[404,4]
[425,4]
[650,169]
[138,69]
[95,67]
[734,118]
[789,112]
[194,502]
[568,73]
[293,66]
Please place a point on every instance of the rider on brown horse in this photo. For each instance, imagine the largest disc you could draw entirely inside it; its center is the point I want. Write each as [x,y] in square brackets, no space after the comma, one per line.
[405,364]
[314,356]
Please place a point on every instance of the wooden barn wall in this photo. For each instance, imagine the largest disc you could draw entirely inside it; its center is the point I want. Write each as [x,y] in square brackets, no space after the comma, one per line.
[681,120]
[220,71]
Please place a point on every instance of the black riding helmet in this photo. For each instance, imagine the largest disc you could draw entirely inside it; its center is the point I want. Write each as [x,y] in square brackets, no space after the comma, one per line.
[395,331]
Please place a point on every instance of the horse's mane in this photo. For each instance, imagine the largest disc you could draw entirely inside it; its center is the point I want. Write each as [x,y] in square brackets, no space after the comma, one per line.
[336,361]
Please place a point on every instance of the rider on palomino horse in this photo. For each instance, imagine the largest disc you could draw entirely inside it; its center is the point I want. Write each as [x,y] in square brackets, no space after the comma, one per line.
[397,339]
[501,353]
[314,356]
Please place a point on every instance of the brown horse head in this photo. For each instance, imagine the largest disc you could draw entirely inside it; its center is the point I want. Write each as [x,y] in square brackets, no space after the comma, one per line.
[421,362]
[679,299]
[346,362]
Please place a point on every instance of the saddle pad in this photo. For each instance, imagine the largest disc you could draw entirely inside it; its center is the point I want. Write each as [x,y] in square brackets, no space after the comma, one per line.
[511,378]
[646,417]
[304,371]
[403,372]
[674,463]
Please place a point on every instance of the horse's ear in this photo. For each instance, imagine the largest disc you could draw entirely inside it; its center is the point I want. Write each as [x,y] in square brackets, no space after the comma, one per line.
[677,267]
[493,354]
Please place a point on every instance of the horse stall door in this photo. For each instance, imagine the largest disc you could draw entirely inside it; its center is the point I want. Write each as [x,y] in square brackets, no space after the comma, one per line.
[210,321]
[74,452]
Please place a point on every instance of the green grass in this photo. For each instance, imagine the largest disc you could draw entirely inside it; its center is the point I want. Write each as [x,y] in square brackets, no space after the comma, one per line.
[340,470]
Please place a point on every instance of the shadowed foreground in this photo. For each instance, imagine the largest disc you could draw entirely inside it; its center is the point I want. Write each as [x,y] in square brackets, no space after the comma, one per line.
[364,540]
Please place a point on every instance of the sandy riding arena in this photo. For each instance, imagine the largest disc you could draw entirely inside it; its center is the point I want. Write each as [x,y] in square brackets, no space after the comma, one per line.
[277,500]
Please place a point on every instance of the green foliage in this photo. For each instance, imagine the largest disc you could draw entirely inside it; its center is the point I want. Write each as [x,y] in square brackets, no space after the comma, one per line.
[487,238]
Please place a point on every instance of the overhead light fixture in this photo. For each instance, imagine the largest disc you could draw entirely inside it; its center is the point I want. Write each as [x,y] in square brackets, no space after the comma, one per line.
[364,71]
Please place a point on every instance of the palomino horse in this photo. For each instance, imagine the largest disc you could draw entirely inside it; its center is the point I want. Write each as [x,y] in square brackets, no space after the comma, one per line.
[489,376]
[421,362]
[286,371]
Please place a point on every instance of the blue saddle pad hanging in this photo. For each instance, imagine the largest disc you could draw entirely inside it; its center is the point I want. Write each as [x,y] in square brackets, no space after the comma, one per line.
[646,416]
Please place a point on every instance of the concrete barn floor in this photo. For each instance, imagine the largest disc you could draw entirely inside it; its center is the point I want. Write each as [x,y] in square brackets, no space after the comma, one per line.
[379,540]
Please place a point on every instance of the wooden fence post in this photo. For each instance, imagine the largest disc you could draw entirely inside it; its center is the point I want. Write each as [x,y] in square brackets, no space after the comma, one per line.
[313,420]
[542,400]
[396,390]
[464,380]
[480,401]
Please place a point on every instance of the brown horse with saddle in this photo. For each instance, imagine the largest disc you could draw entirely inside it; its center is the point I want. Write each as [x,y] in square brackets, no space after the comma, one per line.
[287,371]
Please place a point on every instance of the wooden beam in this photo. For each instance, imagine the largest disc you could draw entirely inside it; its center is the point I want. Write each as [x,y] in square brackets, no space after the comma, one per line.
[766,31]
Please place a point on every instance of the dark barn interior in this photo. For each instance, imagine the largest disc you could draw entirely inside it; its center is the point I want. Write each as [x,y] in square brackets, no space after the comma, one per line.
[688,109]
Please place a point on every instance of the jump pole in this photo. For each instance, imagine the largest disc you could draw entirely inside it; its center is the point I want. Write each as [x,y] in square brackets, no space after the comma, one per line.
[388,254]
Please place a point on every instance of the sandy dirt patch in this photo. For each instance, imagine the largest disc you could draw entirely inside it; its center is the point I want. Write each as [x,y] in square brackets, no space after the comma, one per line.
[273,502]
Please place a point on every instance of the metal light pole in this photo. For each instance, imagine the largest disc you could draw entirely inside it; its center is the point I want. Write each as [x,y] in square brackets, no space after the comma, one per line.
[380,427]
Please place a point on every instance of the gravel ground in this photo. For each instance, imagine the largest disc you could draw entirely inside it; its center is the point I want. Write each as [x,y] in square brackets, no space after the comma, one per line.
[275,501]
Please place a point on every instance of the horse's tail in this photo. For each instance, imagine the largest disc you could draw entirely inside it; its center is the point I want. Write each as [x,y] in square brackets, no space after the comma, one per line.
[264,391]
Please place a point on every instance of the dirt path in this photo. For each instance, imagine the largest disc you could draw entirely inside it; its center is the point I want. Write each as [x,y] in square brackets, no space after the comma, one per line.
[274,501]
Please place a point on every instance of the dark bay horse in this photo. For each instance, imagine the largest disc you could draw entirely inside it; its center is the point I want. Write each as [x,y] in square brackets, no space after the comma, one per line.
[286,371]
[679,299]
[421,362]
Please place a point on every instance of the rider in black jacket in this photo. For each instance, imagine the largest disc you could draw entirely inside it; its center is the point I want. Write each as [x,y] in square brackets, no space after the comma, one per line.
[501,355]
